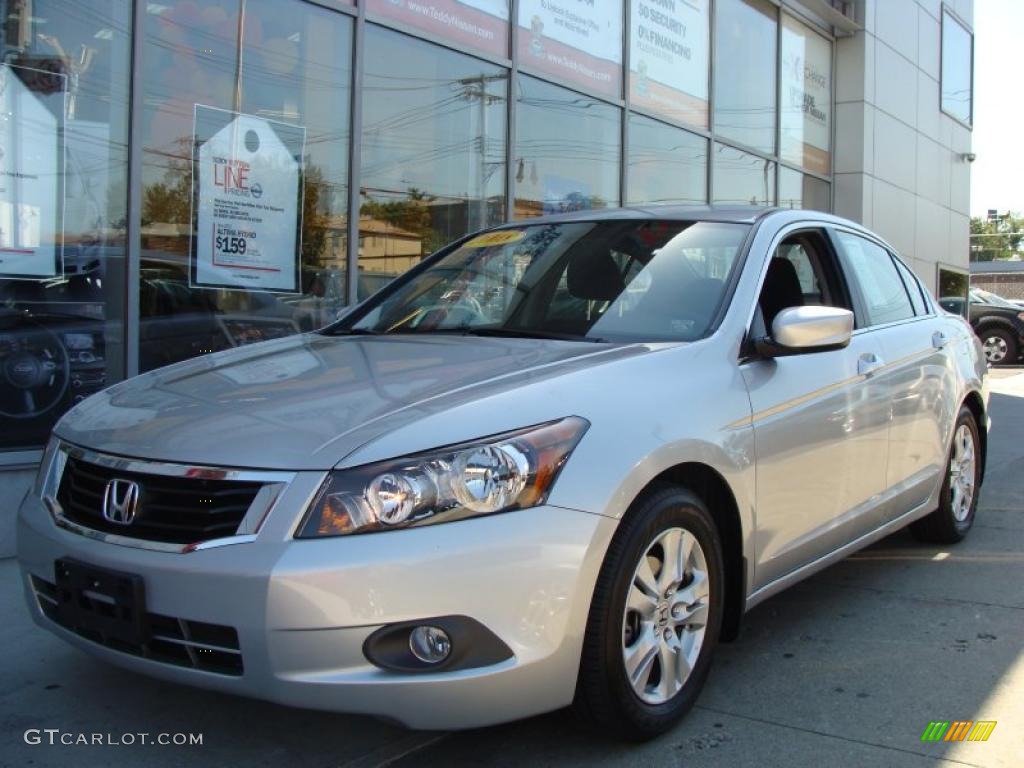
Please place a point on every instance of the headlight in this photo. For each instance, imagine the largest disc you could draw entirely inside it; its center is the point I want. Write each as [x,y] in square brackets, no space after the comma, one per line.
[514,470]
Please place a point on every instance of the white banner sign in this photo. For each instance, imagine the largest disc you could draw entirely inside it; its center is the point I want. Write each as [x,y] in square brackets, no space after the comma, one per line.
[31,172]
[247,198]
[577,40]
[669,42]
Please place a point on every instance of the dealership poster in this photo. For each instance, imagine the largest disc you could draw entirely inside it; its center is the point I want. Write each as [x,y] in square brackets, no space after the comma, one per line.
[805,97]
[576,40]
[32,103]
[246,202]
[669,58]
[481,24]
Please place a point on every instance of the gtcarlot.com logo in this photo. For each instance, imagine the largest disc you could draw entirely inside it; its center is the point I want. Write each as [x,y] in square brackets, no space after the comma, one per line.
[55,737]
[958,730]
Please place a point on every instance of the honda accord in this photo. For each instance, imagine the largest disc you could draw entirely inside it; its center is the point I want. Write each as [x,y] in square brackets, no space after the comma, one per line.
[551,465]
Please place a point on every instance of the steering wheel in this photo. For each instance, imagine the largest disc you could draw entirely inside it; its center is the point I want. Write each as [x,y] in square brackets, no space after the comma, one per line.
[34,371]
[468,306]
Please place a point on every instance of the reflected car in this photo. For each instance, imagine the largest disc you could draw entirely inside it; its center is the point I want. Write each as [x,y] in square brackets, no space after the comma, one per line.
[998,322]
[552,465]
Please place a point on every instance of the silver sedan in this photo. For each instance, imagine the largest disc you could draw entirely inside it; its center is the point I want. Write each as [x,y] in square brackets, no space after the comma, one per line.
[552,465]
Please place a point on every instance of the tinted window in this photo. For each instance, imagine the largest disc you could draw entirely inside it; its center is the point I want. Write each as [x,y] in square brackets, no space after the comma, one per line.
[913,288]
[874,271]
[613,280]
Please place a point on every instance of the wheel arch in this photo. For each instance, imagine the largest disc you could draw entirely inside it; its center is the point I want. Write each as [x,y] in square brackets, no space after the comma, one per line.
[714,490]
[976,404]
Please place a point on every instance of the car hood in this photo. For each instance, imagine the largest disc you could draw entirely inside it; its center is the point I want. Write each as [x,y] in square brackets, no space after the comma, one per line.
[307,401]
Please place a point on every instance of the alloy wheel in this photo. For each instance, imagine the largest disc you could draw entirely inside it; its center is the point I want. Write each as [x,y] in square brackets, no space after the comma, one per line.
[995,349]
[962,466]
[666,615]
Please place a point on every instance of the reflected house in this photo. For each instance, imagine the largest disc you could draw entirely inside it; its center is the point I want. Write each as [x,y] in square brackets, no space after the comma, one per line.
[387,248]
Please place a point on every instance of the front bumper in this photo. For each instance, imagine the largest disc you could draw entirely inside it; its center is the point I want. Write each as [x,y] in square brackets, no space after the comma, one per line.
[302,609]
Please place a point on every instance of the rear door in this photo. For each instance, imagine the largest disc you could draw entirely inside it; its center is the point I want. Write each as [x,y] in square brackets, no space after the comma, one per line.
[917,369]
[820,422]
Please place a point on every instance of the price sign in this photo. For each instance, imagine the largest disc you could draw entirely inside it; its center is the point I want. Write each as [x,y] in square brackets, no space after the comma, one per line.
[247,202]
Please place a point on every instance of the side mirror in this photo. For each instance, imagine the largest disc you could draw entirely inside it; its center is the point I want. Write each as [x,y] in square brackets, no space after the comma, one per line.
[800,330]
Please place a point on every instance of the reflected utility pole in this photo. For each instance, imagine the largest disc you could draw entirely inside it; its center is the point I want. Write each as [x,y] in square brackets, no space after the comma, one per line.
[475,88]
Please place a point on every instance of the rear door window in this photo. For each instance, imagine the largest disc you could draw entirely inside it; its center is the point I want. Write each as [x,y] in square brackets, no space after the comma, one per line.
[872,269]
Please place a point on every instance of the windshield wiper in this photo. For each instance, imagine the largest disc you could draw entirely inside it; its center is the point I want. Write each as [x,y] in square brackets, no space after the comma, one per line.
[521,333]
[352,332]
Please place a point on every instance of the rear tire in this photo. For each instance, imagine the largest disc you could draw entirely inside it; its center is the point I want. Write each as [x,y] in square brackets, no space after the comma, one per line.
[958,500]
[657,609]
[1000,346]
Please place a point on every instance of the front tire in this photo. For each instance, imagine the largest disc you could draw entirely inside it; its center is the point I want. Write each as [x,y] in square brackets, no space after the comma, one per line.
[655,618]
[958,500]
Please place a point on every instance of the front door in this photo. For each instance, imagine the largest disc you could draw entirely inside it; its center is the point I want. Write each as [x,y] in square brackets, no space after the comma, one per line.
[820,422]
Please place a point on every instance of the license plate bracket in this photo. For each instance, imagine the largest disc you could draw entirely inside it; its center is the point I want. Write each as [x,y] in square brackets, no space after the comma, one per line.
[100,601]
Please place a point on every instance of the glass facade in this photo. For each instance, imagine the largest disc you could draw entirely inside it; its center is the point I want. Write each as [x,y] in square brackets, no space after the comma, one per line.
[567,150]
[746,72]
[279,70]
[182,177]
[433,151]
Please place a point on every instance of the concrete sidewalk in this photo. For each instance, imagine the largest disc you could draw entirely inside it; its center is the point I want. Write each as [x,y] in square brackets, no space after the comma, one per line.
[846,668]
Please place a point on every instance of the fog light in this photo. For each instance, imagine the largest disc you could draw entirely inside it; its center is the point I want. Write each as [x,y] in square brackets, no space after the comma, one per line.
[431,645]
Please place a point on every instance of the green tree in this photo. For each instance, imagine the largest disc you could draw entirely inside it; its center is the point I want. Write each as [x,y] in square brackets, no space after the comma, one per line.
[998,238]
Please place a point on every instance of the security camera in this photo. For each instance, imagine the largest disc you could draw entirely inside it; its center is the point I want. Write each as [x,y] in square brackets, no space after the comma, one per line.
[968,157]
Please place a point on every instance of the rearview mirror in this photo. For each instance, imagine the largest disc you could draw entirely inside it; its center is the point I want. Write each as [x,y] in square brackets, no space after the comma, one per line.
[799,330]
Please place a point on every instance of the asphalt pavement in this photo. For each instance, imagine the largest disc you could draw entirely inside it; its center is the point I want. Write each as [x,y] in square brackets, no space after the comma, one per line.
[846,668]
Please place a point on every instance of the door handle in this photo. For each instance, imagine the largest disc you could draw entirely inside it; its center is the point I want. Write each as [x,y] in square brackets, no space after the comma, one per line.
[939,340]
[868,363]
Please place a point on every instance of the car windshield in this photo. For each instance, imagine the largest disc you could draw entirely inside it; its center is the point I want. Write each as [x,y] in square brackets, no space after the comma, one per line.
[980,296]
[623,280]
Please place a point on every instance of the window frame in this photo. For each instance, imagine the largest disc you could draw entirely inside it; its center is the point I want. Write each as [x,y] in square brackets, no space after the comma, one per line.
[838,277]
[955,17]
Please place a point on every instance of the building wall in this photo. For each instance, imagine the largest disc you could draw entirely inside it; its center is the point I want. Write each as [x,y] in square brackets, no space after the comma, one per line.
[898,157]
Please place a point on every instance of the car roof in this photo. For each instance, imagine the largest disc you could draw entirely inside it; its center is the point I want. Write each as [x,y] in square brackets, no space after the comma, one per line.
[739,214]
[745,214]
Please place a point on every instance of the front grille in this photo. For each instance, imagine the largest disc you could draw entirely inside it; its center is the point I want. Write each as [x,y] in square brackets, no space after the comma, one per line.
[184,643]
[173,509]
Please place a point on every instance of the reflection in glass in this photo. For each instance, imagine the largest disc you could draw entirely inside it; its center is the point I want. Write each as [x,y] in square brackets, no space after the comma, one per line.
[433,152]
[666,164]
[63,130]
[264,61]
[742,179]
[798,190]
[957,69]
[745,66]
[567,152]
